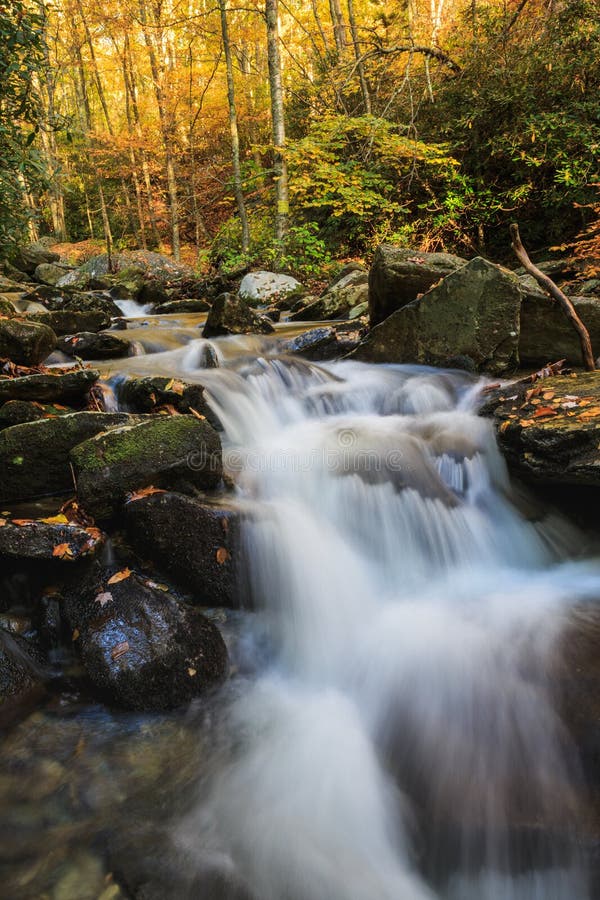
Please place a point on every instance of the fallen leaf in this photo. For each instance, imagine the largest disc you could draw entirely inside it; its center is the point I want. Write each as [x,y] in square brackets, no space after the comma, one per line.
[504,427]
[144,492]
[548,395]
[75,635]
[525,422]
[2,522]
[60,519]
[191,672]
[222,555]
[104,598]
[63,551]
[119,650]
[544,411]
[177,387]
[119,576]
[23,522]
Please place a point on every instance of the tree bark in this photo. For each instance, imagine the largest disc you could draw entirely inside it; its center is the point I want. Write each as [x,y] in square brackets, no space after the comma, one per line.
[555,292]
[233,129]
[364,88]
[277,122]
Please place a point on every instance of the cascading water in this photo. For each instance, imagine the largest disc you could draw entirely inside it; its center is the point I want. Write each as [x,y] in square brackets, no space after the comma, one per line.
[402,741]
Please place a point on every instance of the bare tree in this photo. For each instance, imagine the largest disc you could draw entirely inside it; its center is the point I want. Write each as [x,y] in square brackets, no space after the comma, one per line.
[277,121]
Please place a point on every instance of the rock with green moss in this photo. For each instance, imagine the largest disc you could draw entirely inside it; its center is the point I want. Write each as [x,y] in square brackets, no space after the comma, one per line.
[232,315]
[176,452]
[48,387]
[25,343]
[34,456]
[50,273]
[70,321]
[472,314]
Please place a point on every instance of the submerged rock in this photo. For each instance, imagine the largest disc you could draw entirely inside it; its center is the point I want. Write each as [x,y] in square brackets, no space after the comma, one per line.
[550,431]
[144,650]
[179,452]
[265,287]
[25,343]
[231,315]
[196,543]
[34,456]
[398,276]
[88,345]
[472,313]
[48,387]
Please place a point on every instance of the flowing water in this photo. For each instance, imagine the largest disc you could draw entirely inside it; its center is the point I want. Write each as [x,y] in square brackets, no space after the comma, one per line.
[393,732]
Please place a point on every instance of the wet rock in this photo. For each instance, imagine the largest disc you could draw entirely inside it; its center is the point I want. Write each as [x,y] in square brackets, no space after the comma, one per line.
[182,306]
[550,432]
[77,301]
[25,343]
[20,672]
[179,452]
[36,539]
[88,345]
[153,293]
[338,301]
[70,321]
[231,315]
[316,344]
[50,273]
[48,387]
[272,314]
[144,650]
[399,275]
[34,456]
[146,394]
[547,335]
[27,259]
[474,313]
[16,412]
[265,287]
[197,544]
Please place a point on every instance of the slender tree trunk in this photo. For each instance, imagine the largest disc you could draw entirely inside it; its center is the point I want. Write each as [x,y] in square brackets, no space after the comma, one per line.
[364,87]
[88,214]
[339,26]
[282,207]
[166,132]
[233,129]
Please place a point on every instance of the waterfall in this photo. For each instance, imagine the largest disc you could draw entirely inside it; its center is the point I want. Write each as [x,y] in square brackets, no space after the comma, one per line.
[402,742]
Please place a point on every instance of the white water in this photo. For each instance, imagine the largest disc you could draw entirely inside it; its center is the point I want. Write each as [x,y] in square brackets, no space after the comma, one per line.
[403,743]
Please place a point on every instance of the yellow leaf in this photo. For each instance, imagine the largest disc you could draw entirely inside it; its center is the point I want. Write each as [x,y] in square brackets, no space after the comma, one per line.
[55,520]
[75,635]
[119,576]
[191,672]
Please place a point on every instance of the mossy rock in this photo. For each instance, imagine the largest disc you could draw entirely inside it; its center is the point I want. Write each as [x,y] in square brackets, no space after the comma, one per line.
[26,343]
[47,387]
[34,456]
[70,321]
[175,452]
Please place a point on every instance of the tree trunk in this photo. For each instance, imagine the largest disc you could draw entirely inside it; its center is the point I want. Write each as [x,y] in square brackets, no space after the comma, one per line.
[364,87]
[555,292]
[233,128]
[282,206]
[339,26]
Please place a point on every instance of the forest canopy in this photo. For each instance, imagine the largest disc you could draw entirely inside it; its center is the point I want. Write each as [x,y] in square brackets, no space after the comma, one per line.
[290,131]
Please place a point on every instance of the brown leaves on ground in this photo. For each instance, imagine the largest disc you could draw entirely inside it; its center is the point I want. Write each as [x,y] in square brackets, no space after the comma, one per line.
[63,551]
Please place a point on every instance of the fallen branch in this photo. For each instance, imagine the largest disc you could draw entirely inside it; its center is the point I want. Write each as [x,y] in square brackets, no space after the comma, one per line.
[555,292]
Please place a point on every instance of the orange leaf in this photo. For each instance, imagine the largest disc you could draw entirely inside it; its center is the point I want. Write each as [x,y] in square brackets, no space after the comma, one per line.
[177,387]
[119,576]
[544,411]
[119,650]
[144,492]
[2,522]
[222,555]
[63,551]
[23,522]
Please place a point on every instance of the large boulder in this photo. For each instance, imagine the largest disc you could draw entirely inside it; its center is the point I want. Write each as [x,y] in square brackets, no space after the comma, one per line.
[337,302]
[550,432]
[50,273]
[25,343]
[78,301]
[140,647]
[196,543]
[547,335]
[34,456]
[144,395]
[266,287]
[47,387]
[27,259]
[54,540]
[232,315]
[398,276]
[178,452]
[70,321]
[472,316]
[89,345]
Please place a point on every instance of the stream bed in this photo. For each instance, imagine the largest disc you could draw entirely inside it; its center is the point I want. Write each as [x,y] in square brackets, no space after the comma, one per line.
[394,727]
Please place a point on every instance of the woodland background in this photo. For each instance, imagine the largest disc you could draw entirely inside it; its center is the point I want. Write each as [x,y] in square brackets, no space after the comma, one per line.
[290,132]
